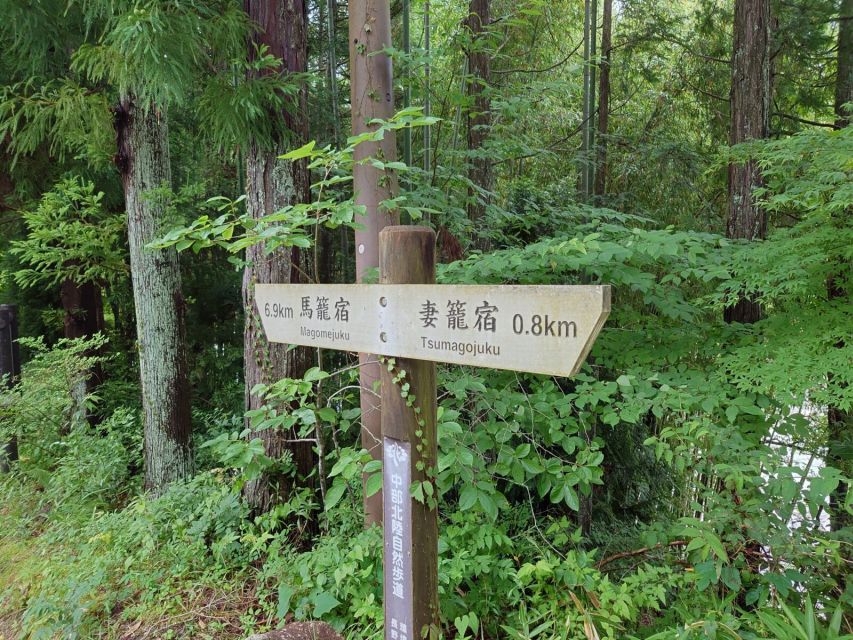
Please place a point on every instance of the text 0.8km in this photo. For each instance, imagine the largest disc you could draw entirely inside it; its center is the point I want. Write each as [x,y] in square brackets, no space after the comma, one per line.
[543,325]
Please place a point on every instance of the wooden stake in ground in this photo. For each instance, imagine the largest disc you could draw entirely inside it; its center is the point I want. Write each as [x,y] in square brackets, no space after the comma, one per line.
[410,449]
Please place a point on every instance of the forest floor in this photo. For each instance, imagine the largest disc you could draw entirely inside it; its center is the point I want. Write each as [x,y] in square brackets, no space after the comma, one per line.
[13,557]
[29,556]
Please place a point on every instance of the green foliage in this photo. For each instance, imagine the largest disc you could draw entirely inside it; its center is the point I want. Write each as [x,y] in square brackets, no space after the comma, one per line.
[244,106]
[803,625]
[42,408]
[805,333]
[153,50]
[234,230]
[676,488]
[70,237]
[71,120]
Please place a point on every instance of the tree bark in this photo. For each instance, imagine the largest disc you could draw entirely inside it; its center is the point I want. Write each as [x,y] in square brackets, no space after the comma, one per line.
[750,113]
[84,317]
[272,184]
[844,81]
[10,373]
[604,100]
[371,96]
[478,118]
[840,422]
[144,163]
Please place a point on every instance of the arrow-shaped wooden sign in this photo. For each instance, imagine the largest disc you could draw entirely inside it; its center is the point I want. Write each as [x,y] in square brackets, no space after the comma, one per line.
[540,329]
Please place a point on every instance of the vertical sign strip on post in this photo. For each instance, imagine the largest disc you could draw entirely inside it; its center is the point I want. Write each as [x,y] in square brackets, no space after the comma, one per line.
[410,443]
[397,523]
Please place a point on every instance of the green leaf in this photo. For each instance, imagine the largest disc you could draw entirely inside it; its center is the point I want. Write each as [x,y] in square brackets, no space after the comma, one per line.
[373,484]
[304,151]
[467,497]
[716,546]
[335,493]
[285,593]
[571,498]
[489,505]
[324,602]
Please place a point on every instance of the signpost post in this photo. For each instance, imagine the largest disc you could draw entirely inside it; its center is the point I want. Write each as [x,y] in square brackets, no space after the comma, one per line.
[410,319]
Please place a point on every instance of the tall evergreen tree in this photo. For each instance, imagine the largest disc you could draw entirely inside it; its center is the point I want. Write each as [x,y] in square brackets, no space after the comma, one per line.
[844,81]
[750,120]
[73,245]
[144,164]
[272,184]
[151,55]
[839,421]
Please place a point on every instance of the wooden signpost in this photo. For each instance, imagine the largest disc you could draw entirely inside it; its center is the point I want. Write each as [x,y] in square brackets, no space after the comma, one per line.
[407,317]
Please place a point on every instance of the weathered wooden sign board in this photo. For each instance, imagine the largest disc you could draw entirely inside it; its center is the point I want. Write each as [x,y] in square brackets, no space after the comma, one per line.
[539,329]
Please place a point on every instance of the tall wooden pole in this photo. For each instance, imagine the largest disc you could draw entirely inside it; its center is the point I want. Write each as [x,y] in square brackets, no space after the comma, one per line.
[407,256]
[372,96]
[10,371]
[272,184]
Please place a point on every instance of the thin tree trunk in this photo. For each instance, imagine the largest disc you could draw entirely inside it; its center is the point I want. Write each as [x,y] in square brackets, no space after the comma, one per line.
[840,422]
[144,163]
[604,100]
[371,96]
[479,119]
[84,317]
[272,184]
[750,113]
[844,81]
[333,69]
[10,373]
[750,109]
[590,125]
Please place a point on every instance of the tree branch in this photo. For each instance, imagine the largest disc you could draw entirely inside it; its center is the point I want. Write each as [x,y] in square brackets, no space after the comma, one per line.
[814,123]
[545,70]
[639,552]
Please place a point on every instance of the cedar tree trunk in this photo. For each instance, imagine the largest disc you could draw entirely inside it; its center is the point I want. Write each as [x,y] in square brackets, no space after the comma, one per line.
[750,109]
[840,422]
[272,184]
[143,160]
[84,317]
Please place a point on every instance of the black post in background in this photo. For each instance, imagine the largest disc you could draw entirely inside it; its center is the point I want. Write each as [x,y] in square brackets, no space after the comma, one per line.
[10,371]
